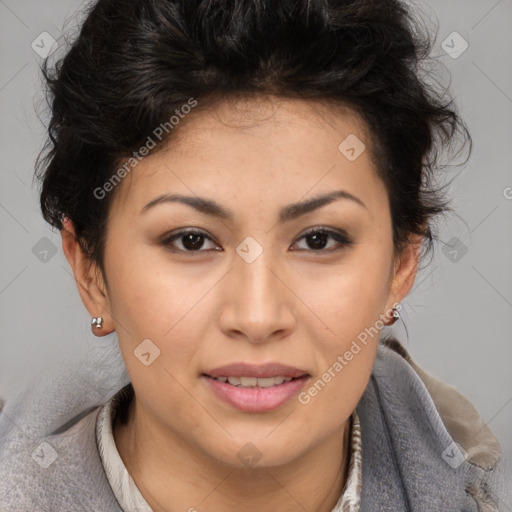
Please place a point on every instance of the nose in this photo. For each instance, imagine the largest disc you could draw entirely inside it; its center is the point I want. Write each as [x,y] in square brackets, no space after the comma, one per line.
[258,305]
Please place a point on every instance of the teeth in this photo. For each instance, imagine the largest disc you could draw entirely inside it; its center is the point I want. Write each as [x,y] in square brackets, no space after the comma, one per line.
[270,381]
[247,382]
[251,382]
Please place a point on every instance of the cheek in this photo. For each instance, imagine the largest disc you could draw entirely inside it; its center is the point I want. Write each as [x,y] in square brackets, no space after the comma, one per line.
[348,300]
[350,306]
[152,302]
[157,327]
[349,297]
[334,394]
[147,296]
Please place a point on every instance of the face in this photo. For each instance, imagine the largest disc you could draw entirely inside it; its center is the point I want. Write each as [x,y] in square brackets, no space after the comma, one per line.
[252,267]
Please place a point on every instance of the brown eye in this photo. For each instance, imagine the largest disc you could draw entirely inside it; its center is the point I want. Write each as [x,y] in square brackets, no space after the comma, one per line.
[188,241]
[317,239]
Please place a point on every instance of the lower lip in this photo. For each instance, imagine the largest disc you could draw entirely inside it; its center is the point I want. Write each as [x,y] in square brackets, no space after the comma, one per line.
[256,399]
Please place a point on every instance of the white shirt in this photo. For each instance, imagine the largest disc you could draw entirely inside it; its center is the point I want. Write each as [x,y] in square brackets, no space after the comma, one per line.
[131,500]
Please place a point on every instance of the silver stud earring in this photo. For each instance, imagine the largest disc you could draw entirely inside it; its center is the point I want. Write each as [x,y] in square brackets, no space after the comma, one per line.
[396,314]
[96,322]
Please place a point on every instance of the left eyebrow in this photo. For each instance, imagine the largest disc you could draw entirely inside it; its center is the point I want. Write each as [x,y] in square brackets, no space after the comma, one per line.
[287,213]
[295,210]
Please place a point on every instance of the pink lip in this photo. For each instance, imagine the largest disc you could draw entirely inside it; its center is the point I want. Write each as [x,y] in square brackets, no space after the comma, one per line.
[256,399]
[259,371]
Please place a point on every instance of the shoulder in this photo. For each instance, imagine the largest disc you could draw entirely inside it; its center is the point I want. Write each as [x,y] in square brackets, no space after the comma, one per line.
[423,441]
[456,413]
[62,471]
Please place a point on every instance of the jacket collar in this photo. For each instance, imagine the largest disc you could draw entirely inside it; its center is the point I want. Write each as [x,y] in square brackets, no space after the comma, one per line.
[423,441]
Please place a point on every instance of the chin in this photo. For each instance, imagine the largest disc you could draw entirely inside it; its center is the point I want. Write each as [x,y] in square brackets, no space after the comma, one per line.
[257,451]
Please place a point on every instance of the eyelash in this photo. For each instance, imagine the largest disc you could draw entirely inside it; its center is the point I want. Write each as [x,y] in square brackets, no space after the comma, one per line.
[340,237]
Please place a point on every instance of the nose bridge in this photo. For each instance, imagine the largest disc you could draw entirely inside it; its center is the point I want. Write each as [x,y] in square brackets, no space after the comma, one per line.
[258,302]
[257,281]
[251,266]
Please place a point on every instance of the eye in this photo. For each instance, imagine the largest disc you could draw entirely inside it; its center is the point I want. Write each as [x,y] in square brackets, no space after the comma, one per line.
[318,239]
[193,240]
[188,240]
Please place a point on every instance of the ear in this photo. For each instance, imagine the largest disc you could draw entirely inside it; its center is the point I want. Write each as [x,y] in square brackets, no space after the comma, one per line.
[405,269]
[88,278]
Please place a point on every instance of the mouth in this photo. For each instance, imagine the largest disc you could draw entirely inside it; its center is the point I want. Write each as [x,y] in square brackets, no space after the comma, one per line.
[253,382]
[262,371]
[250,388]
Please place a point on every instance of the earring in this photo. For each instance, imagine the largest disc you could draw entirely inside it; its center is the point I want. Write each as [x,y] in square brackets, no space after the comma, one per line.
[396,314]
[96,322]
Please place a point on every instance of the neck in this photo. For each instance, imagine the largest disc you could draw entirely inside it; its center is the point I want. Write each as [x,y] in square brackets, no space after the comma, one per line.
[174,476]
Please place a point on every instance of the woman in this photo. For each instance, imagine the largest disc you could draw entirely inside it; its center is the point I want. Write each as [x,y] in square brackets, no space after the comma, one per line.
[244,191]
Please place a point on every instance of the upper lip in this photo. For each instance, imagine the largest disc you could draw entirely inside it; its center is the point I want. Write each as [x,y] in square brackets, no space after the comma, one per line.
[259,371]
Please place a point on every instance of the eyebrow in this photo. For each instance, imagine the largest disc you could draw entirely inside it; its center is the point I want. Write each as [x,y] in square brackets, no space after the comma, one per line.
[287,213]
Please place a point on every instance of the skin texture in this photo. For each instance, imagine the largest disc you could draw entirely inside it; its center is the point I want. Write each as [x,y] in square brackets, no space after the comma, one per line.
[293,304]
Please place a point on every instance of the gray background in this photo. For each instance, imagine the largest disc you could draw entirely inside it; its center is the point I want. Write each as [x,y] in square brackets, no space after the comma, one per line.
[459,314]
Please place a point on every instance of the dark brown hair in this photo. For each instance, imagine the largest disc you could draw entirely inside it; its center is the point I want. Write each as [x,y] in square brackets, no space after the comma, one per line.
[135,63]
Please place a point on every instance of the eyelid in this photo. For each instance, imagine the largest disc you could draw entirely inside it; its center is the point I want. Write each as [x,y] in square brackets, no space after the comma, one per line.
[325,229]
[166,239]
[339,235]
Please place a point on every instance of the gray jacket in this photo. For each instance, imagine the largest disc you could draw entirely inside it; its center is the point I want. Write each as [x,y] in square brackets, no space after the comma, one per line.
[425,448]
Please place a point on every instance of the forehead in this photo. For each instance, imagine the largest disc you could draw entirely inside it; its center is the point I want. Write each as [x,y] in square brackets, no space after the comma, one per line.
[259,144]
[265,115]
